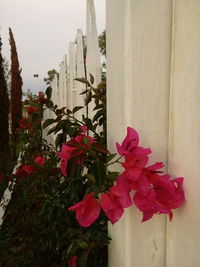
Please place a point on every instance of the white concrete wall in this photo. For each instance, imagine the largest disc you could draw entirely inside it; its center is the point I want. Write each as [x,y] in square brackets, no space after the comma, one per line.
[183,242]
[153,74]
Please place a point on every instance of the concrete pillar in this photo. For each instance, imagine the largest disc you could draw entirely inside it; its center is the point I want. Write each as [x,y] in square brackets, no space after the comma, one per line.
[138,80]
[183,237]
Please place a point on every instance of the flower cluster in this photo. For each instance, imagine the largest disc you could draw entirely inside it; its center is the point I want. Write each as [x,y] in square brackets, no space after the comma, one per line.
[24,171]
[30,110]
[152,191]
[25,124]
[75,147]
[41,98]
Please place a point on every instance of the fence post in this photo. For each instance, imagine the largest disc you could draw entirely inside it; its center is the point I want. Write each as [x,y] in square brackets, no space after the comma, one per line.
[138,78]
[72,75]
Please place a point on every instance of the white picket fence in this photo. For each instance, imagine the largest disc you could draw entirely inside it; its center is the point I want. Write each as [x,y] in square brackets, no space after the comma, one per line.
[65,89]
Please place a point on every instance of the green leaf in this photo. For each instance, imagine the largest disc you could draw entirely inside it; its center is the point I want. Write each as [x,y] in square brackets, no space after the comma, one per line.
[113,175]
[61,125]
[100,148]
[100,106]
[102,85]
[88,97]
[88,123]
[48,122]
[75,109]
[59,140]
[86,141]
[48,92]
[83,245]
[68,111]
[91,79]
[49,104]
[99,171]
[84,92]
[83,80]
[90,177]
[72,249]
[111,157]
[52,130]
[99,113]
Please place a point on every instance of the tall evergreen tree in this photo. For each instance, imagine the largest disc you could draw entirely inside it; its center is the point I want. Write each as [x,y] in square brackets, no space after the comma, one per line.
[4,118]
[16,92]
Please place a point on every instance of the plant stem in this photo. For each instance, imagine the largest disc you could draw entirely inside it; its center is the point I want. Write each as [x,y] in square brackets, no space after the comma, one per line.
[116,161]
[83,124]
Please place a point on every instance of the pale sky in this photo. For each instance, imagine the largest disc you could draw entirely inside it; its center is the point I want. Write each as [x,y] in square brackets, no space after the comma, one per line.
[42,30]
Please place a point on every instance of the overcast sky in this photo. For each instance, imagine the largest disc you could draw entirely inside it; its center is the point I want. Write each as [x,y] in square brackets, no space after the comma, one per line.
[42,30]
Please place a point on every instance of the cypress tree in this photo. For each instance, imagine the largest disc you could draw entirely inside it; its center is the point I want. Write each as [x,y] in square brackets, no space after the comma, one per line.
[16,93]
[4,119]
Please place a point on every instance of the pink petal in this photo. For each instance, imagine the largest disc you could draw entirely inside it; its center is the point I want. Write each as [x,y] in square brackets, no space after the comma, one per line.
[28,169]
[130,142]
[147,215]
[82,202]
[87,214]
[156,166]
[121,192]
[40,161]
[84,128]
[111,207]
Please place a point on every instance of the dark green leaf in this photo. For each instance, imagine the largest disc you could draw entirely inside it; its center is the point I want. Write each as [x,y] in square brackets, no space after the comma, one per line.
[48,92]
[68,111]
[48,122]
[91,79]
[82,80]
[88,97]
[100,148]
[77,108]
[99,113]
[102,85]
[99,171]
[59,140]
[49,104]
[84,92]
[111,157]
[52,130]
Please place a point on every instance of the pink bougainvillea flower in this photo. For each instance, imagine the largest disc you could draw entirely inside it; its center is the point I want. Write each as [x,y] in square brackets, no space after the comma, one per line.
[164,196]
[41,98]
[149,206]
[28,169]
[130,142]
[73,261]
[74,147]
[135,162]
[65,155]
[155,167]
[23,123]
[123,179]
[111,207]
[114,202]
[87,210]
[140,184]
[40,161]
[24,171]
[122,194]
[169,193]
[31,110]
[84,129]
